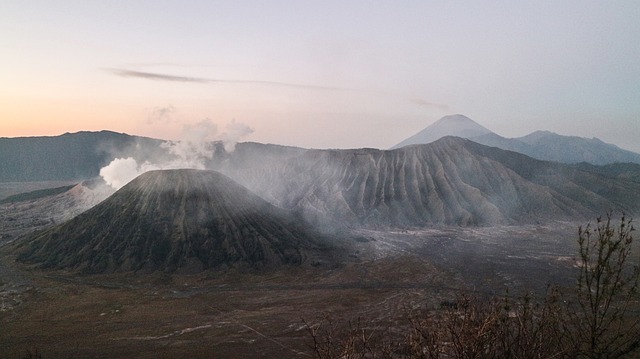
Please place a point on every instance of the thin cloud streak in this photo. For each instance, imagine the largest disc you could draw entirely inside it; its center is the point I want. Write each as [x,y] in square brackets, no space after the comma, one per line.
[154,76]
[173,78]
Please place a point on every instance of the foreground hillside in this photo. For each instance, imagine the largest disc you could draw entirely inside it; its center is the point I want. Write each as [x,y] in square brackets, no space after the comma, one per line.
[259,314]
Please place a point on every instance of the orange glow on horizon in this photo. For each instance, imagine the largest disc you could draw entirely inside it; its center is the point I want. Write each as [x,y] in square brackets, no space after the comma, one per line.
[28,117]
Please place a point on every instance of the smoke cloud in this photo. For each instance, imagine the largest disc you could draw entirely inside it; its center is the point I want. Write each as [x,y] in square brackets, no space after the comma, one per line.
[123,170]
[161,115]
[195,147]
[425,103]
[234,132]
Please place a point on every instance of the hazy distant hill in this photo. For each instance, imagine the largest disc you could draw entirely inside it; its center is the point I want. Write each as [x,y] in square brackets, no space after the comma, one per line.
[452,125]
[450,181]
[79,156]
[543,145]
[176,219]
[72,156]
[571,149]
[624,171]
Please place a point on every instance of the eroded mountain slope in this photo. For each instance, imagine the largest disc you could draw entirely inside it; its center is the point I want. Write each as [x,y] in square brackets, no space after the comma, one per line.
[451,181]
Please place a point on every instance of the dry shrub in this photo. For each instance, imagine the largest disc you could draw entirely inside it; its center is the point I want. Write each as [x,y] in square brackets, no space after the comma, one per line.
[599,318]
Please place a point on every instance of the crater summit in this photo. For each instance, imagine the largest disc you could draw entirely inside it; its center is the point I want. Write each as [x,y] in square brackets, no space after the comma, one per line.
[187,220]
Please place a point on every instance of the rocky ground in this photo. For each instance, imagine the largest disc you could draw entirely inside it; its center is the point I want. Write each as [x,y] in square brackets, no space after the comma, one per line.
[390,276]
[19,218]
[12,188]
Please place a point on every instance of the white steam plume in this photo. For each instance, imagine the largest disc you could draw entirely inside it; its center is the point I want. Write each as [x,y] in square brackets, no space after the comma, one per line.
[161,115]
[122,170]
[235,131]
[194,145]
[191,151]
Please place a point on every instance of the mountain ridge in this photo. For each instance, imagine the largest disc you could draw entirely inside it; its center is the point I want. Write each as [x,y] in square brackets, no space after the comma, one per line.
[452,181]
[70,156]
[541,144]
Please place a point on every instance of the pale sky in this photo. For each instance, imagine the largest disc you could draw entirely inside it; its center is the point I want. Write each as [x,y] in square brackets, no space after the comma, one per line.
[323,74]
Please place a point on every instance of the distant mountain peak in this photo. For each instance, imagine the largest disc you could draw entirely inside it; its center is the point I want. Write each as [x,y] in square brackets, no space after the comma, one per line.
[541,144]
[456,117]
[542,133]
[452,125]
